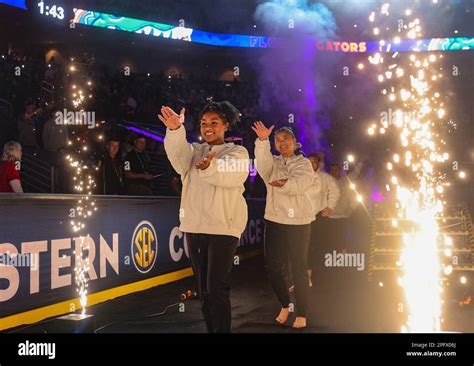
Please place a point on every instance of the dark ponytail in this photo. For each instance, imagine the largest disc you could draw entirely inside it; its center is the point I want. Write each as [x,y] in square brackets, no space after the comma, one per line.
[298,150]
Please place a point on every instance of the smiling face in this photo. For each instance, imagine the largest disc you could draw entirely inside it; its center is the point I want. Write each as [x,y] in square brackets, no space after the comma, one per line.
[285,143]
[213,128]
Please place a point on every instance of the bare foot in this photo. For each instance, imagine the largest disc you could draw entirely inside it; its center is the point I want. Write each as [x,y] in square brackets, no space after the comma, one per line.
[310,274]
[283,316]
[300,322]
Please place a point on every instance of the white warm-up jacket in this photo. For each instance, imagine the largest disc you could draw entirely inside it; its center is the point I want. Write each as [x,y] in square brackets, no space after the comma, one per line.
[290,204]
[327,192]
[212,200]
[347,201]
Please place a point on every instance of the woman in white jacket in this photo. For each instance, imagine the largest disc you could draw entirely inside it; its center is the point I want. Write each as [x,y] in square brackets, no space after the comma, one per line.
[288,216]
[213,211]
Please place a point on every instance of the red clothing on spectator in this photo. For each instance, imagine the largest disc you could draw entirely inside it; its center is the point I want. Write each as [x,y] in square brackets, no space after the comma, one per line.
[8,172]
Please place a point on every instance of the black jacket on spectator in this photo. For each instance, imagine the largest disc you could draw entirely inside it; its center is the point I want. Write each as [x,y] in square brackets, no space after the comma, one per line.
[138,165]
[113,177]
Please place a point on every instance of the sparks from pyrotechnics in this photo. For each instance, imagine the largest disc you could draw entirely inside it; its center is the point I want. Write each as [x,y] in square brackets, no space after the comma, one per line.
[413,88]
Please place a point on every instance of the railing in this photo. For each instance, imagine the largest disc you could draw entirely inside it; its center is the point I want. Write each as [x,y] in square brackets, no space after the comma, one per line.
[37,176]
[7,105]
[47,91]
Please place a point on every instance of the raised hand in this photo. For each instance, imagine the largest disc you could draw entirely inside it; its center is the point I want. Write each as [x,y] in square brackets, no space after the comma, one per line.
[262,131]
[204,163]
[148,176]
[326,212]
[278,183]
[170,118]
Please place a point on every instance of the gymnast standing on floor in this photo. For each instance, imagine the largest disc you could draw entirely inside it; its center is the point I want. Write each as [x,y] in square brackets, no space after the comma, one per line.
[213,211]
[288,216]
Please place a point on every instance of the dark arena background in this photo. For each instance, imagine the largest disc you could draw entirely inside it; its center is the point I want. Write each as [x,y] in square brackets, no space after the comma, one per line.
[378,93]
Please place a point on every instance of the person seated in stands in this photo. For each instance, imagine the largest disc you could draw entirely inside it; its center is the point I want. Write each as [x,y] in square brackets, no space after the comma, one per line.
[10,180]
[137,170]
[55,136]
[27,124]
[112,168]
[126,146]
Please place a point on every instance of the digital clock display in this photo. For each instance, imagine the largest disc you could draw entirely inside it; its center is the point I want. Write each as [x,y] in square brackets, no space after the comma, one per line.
[51,10]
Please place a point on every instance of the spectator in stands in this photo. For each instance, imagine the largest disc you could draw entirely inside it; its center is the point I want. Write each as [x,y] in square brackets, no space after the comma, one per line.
[27,125]
[55,136]
[126,146]
[112,168]
[176,185]
[137,169]
[114,97]
[10,165]
[129,106]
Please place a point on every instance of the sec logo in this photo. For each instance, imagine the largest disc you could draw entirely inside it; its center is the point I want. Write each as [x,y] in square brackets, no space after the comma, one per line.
[144,246]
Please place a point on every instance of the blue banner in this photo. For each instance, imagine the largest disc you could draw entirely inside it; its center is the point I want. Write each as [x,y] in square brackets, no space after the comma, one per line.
[150,28]
[134,244]
[16,3]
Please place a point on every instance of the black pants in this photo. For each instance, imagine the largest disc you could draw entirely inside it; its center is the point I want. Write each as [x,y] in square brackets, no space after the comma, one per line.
[212,257]
[283,244]
[319,243]
[338,232]
[327,235]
